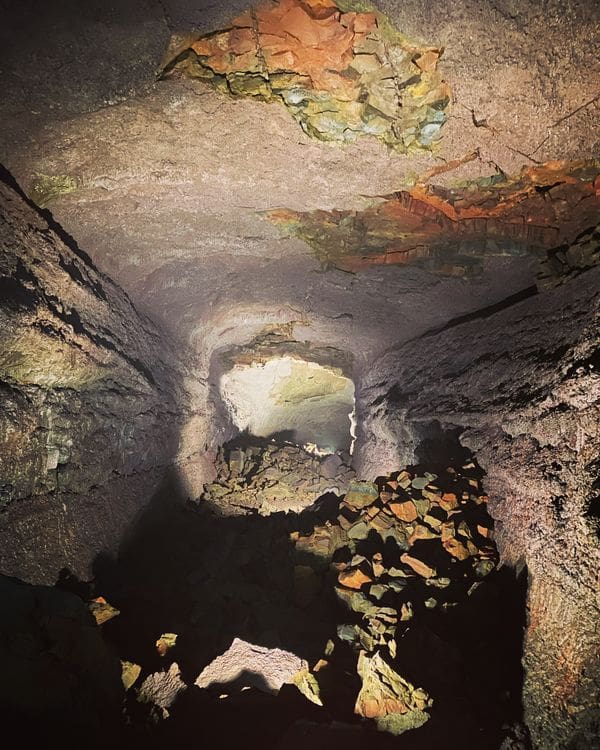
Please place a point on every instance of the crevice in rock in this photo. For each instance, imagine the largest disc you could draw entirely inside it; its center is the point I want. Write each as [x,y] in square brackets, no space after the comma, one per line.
[485,312]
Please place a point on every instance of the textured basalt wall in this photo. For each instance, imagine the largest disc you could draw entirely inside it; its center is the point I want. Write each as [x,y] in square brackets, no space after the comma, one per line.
[524,387]
[92,401]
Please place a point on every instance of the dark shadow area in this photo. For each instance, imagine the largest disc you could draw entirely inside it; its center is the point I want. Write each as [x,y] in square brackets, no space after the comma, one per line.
[211,578]
[486,312]
[246,440]
[472,666]
[68,581]
[440,447]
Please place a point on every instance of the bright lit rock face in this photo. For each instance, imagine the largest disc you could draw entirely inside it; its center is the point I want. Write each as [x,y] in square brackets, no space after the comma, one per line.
[299,401]
[244,665]
[88,385]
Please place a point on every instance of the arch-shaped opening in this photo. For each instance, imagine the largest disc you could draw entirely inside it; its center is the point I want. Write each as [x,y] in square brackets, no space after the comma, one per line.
[299,401]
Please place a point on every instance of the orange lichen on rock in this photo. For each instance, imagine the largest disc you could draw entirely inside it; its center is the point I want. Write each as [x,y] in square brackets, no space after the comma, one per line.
[506,196]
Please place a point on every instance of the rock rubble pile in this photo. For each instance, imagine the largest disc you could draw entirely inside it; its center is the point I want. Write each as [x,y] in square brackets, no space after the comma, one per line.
[410,542]
[271,478]
[339,608]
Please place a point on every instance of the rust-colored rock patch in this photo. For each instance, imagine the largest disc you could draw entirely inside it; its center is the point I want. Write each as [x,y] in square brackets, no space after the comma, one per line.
[450,231]
[341,73]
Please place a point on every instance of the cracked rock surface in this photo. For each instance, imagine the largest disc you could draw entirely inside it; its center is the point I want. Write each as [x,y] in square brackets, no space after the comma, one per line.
[88,385]
[341,73]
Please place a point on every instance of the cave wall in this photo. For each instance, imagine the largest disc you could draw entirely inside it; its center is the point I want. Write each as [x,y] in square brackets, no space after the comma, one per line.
[95,402]
[523,386]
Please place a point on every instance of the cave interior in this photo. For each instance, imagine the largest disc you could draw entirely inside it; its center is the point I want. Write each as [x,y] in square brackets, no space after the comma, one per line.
[300,374]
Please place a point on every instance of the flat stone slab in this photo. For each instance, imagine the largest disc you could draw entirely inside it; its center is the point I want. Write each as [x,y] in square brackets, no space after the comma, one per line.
[247,665]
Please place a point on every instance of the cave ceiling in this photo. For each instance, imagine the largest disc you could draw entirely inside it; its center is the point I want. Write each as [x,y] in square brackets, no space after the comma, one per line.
[359,172]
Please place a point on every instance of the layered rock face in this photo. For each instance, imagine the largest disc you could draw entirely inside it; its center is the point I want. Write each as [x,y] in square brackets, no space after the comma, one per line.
[451,231]
[92,401]
[523,387]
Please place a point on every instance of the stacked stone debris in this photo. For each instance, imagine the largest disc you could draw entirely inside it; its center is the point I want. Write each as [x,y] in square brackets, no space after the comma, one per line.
[409,543]
[271,478]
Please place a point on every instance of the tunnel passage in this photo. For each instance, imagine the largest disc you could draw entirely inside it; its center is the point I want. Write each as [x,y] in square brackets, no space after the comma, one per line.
[449,247]
[300,401]
[293,422]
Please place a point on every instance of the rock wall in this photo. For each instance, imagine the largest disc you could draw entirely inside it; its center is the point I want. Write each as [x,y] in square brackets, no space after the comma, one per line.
[92,401]
[523,387]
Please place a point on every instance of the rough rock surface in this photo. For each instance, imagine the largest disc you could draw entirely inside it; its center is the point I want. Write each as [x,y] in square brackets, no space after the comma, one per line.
[506,62]
[452,231]
[569,260]
[92,402]
[384,696]
[168,192]
[142,168]
[161,689]
[247,665]
[273,478]
[341,74]
[523,385]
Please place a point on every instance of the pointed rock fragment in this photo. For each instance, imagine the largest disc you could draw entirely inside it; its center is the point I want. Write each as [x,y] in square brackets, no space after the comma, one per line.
[387,697]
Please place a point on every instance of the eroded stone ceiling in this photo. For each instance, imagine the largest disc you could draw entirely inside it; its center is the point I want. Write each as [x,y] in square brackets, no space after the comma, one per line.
[341,73]
[451,230]
[245,165]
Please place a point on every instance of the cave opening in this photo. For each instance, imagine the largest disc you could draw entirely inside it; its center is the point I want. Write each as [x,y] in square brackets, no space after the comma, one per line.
[291,400]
